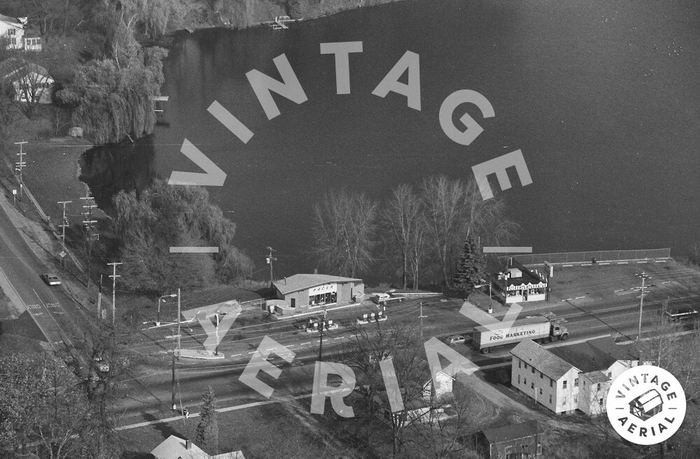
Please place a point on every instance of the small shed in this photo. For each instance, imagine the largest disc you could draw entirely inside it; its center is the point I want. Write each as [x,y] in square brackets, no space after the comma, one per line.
[522,441]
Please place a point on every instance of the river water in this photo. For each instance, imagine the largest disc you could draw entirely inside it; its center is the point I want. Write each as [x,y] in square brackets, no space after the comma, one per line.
[600,96]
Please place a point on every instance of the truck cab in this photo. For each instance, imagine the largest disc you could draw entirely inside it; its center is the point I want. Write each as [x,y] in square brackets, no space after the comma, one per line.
[558,331]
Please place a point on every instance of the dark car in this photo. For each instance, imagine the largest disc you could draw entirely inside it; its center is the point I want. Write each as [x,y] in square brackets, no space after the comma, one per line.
[51,279]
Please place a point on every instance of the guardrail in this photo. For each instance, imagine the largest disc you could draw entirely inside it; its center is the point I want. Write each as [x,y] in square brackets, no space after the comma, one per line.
[588,257]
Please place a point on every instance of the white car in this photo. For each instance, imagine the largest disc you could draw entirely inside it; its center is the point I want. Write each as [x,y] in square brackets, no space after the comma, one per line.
[456,339]
[51,279]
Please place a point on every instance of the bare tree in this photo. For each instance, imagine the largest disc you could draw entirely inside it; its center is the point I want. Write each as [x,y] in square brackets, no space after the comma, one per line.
[26,83]
[344,230]
[454,208]
[444,205]
[404,221]
[671,349]
[401,344]
[40,401]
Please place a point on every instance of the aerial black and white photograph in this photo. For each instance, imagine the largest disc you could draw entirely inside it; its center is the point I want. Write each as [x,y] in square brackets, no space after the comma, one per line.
[240,229]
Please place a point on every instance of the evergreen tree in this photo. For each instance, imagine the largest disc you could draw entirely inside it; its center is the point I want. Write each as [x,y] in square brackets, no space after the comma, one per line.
[470,267]
[207,433]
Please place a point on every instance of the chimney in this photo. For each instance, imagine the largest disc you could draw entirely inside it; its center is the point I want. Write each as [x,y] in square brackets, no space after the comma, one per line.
[188,444]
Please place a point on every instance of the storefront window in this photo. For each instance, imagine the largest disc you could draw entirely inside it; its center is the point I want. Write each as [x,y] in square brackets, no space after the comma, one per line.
[323,298]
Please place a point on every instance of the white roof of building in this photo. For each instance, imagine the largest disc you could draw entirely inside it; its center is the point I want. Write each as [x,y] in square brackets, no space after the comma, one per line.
[175,447]
[303,281]
[9,20]
[541,359]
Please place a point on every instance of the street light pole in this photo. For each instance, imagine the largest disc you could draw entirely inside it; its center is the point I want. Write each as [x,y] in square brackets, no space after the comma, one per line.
[161,298]
[644,276]
[269,259]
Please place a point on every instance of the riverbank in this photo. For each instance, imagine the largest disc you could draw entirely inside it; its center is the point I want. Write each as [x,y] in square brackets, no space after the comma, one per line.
[52,164]
[243,15]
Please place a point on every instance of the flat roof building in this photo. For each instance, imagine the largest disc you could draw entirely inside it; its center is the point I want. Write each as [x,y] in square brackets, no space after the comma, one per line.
[308,292]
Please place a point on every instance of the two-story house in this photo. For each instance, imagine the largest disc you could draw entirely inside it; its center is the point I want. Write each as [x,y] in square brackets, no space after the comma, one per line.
[541,375]
[600,362]
[568,378]
[12,30]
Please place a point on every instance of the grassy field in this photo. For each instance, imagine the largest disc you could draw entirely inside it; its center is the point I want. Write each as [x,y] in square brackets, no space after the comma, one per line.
[268,431]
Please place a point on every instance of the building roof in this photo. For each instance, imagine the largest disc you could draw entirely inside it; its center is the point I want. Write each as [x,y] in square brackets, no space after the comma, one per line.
[8,19]
[175,447]
[594,355]
[541,359]
[303,281]
[595,377]
[15,69]
[512,432]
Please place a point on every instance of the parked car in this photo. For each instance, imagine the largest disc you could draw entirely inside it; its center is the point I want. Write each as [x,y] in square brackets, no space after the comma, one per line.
[51,279]
[456,339]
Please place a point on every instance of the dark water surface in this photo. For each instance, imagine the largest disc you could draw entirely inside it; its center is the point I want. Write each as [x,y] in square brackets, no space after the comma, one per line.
[602,97]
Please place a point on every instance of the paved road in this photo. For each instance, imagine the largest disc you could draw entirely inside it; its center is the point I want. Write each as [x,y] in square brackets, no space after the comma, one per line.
[151,395]
[47,305]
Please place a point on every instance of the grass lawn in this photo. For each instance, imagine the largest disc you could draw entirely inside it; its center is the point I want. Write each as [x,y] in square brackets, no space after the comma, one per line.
[269,431]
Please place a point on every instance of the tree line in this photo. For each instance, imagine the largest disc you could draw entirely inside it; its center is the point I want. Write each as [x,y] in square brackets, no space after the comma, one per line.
[418,232]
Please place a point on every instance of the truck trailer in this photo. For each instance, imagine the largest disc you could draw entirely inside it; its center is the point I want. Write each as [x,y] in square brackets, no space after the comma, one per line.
[537,328]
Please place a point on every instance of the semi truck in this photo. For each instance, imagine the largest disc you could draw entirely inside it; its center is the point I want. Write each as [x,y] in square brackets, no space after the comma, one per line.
[536,328]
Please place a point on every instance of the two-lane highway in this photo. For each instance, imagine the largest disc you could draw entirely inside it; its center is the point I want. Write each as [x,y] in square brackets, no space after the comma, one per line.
[22,269]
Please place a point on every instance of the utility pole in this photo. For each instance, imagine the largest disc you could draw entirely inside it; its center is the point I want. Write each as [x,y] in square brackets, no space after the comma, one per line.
[114,276]
[99,299]
[20,165]
[172,382]
[172,379]
[269,259]
[89,226]
[178,322]
[64,222]
[644,276]
[320,336]
[421,317]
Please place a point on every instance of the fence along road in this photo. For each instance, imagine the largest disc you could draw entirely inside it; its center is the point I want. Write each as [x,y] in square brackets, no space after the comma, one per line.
[605,256]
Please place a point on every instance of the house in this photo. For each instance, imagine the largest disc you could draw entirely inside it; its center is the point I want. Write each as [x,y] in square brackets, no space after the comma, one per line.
[31,82]
[176,447]
[600,362]
[520,285]
[13,30]
[545,377]
[515,441]
[309,292]
[568,378]
[434,397]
